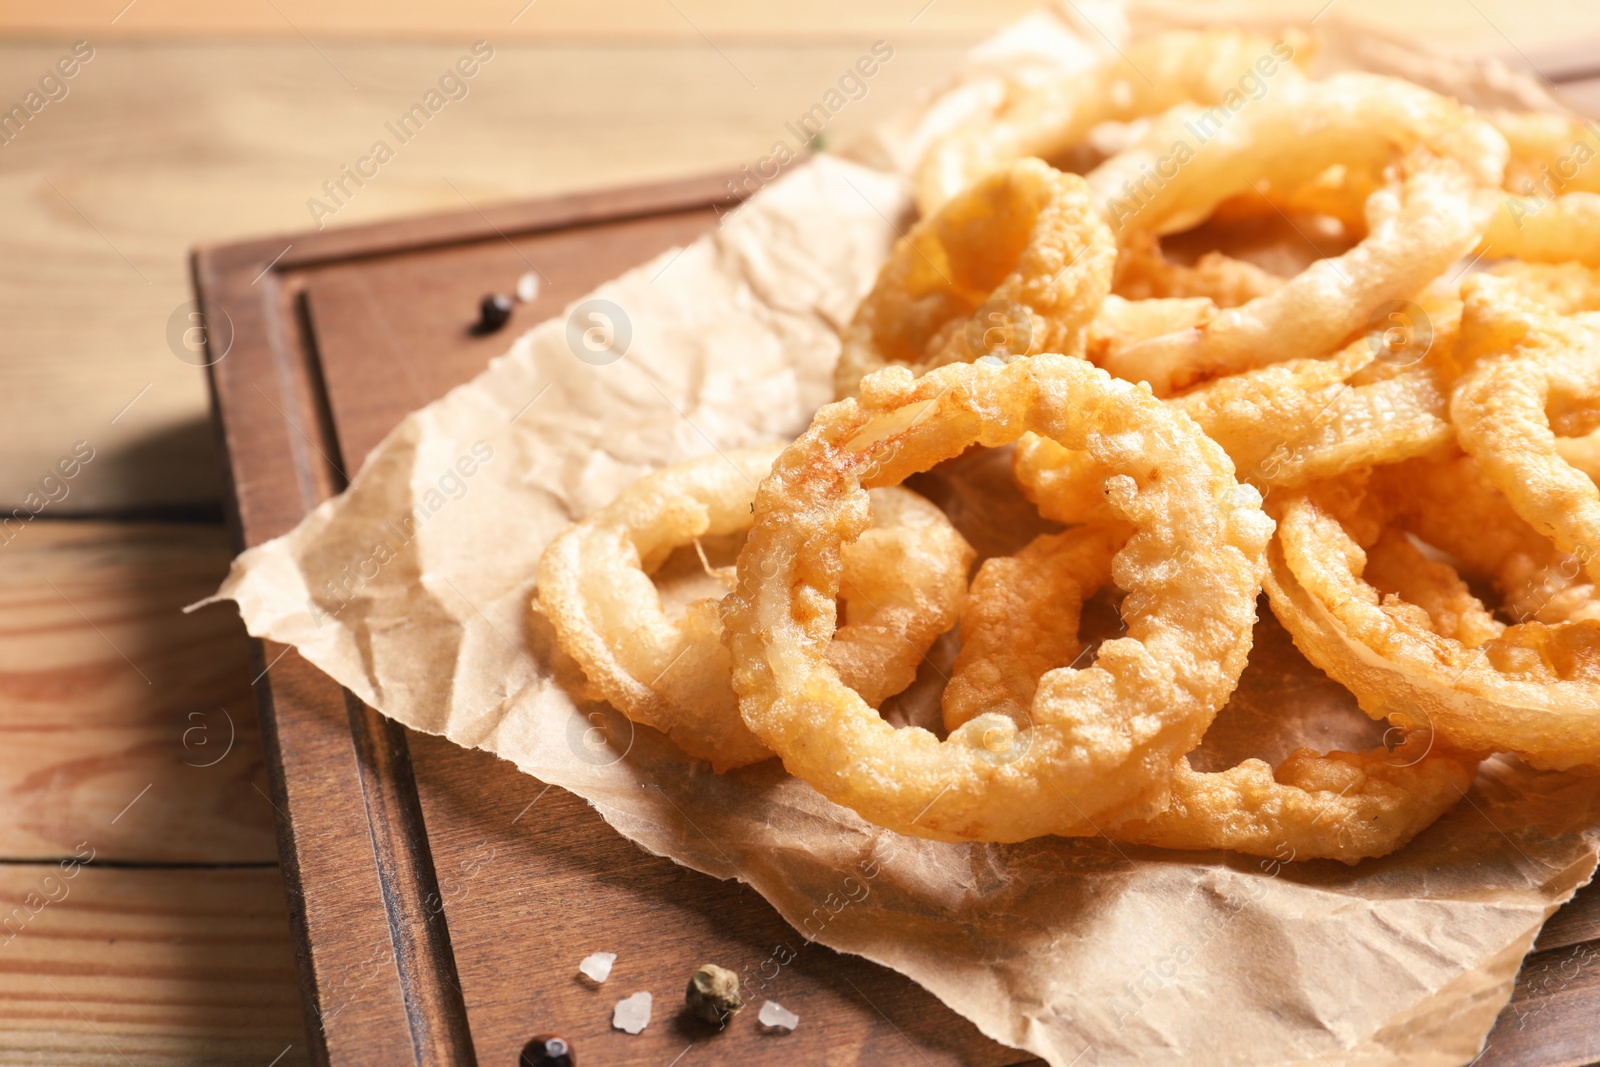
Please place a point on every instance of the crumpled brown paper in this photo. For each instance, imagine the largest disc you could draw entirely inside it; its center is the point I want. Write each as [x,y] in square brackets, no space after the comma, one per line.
[412,589]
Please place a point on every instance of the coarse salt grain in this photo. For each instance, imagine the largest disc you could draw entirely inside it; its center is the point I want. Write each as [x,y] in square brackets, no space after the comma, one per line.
[775,1016]
[597,966]
[632,1013]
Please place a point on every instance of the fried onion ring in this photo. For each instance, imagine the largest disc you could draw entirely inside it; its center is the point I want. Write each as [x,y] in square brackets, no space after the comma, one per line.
[1143,273]
[903,583]
[1416,228]
[1405,635]
[1346,806]
[1098,740]
[1582,452]
[1529,359]
[1284,425]
[1553,212]
[1123,323]
[1025,241]
[1448,502]
[1199,66]
[1566,288]
[1021,619]
[1565,229]
[1542,142]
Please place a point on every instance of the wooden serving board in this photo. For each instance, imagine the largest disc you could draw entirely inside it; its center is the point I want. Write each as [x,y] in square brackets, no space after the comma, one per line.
[441,899]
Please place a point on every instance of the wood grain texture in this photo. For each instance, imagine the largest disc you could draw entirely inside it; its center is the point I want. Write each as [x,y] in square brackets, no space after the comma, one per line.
[354,997]
[504,846]
[1551,1019]
[117,709]
[607,20]
[360,1006]
[1481,25]
[146,967]
[362,330]
[1577,921]
[161,146]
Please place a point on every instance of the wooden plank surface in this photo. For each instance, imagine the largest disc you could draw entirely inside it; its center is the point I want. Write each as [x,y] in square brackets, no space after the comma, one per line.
[683,21]
[130,739]
[146,967]
[339,820]
[127,723]
[162,144]
[532,881]
[1480,24]
[1551,1018]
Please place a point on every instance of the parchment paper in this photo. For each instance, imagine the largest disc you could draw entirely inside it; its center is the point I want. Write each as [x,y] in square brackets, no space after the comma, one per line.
[412,589]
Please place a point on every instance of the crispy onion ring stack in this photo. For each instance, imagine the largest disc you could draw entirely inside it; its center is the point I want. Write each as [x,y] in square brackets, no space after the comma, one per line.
[1417,401]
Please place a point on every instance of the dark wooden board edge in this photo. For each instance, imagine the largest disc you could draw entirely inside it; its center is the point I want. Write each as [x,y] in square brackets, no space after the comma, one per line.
[294,251]
[391,870]
[378,851]
[430,991]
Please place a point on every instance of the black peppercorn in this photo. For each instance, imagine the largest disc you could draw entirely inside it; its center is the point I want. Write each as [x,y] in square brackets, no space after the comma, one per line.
[547,1050]
[493,313]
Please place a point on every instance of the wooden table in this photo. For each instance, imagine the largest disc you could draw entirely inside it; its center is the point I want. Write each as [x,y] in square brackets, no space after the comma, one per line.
[191,123]
[202,122]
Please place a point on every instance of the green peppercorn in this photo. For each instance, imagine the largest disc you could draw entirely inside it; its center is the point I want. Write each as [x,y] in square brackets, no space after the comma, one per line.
[713,994]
